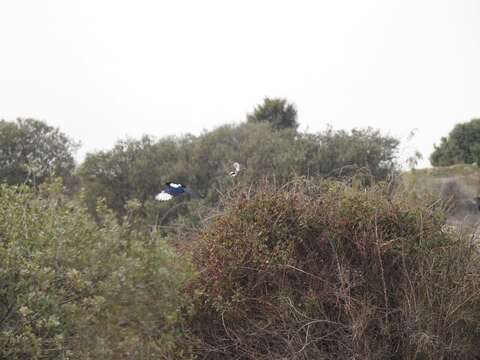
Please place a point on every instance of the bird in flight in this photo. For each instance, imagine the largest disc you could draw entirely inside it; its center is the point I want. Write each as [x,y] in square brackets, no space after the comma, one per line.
[236,170]
[172,190]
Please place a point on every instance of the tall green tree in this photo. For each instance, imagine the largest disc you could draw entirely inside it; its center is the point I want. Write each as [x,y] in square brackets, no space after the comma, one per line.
[462,145]
[31,151]
[275,111]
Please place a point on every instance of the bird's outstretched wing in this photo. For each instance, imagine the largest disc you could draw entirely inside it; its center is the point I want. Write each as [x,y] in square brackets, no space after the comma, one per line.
[163,196]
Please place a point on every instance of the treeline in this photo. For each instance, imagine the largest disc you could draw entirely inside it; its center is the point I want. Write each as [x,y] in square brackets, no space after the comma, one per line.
[266,145]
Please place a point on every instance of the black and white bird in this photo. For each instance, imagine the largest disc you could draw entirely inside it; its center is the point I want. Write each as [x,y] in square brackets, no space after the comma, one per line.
[172,190]
[236,167]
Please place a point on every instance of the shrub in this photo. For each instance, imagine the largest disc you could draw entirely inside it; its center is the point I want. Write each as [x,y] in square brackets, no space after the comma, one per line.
[72,288]
[324,271]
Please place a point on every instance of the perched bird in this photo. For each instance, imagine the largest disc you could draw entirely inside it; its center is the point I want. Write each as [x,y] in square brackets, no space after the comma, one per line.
[236,170]
[172,190]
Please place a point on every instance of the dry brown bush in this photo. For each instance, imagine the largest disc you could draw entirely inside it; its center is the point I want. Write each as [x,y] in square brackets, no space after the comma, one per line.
[324,271]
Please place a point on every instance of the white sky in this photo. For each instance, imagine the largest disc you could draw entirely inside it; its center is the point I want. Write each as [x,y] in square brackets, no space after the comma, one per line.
[102,70]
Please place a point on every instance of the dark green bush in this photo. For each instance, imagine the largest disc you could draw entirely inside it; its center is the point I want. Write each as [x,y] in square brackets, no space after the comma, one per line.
[324,271]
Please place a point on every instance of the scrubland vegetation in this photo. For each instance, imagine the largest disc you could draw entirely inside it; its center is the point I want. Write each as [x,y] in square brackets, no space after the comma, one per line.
[320,248]
[312,271]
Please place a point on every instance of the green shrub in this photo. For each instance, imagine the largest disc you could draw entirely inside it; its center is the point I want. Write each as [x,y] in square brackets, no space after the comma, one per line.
[324,271]
[73,288]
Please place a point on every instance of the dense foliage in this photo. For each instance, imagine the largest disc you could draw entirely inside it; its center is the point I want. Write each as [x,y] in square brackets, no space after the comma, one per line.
[73,288]
[137,169]
[462,145]
[133,169]
[324,271]
[32,151]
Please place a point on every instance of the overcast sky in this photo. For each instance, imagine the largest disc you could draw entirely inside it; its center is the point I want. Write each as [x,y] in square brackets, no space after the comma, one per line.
[102,70]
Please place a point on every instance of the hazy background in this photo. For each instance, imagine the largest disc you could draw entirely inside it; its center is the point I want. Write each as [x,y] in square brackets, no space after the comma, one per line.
[105,69]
